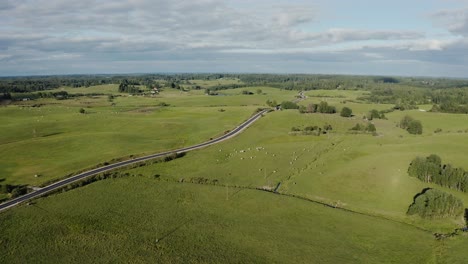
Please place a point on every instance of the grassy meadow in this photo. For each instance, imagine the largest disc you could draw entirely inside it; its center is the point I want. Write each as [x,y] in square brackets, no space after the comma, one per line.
[142,220]
[211,205]
[50,138]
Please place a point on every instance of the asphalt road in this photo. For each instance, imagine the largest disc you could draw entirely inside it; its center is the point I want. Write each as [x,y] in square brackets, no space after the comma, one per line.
[78,177]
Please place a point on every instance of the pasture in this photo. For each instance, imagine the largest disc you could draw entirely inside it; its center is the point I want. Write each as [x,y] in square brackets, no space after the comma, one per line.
[50,138]
[257,197]
[142,220]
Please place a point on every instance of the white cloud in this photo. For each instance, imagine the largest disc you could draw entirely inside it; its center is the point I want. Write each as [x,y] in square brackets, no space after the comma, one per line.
[455,20]
[99,33]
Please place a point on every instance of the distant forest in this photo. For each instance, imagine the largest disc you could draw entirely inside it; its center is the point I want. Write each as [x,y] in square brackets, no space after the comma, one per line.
[446,95]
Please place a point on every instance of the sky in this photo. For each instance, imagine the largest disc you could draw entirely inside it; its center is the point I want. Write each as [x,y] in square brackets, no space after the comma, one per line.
[363,37]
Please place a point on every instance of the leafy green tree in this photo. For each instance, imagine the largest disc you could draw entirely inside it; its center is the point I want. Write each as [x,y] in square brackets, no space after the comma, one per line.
[405,121]
[371,128]
[432,203]
[322,107]
[411,125]
[271,103]
[374,114]
[311,108]
[82,111]
[415,127]
[346,112]
[289,105]
[357,127]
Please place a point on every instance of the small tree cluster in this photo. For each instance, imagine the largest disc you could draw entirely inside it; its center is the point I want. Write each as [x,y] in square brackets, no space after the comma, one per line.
[405,106]
[431,170]
[289,105]
[247,92]
[13,190]
[432,203]
[411,125]
[375,114]
[210,91]
[313,130]
[271,103]
[346,112]
[364,128]
[128,87]
[322,107]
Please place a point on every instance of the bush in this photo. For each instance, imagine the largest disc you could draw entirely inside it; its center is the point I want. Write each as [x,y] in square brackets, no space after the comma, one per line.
[82,111]
[289,105]
[271,103]
[370,128]
[405,121]
[346,112]
[18,191]
[324,108]
[411,125]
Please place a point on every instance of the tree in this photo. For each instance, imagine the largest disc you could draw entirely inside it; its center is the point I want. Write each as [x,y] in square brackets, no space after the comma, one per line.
[346,112]
[324,108]
[311,108]
[411,125]
[405,121]
[357,127]
[123,87]
[327,127]
[415,127]
[371,128]
[374,114]
[82,111]
[289,105]
[432,203]
[271,103]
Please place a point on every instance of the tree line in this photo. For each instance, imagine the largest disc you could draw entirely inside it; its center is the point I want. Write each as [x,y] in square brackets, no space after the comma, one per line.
[447,95]
[322,107]
[432,203]
[431,170]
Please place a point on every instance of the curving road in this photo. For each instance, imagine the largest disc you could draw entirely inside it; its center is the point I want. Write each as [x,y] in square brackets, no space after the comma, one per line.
[62,183]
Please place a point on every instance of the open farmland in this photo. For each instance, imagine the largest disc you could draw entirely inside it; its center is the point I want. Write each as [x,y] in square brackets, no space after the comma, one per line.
[278,192]
[51,138]
[169,222]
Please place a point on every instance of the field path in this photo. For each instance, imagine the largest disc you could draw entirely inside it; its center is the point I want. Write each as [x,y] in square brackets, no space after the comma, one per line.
[78,177]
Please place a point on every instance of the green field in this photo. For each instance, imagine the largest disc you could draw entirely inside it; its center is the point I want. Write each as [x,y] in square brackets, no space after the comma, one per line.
[211,204]
[184,223]
[54,139]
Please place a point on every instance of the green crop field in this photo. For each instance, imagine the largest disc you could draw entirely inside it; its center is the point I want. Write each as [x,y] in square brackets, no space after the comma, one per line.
[269,195]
